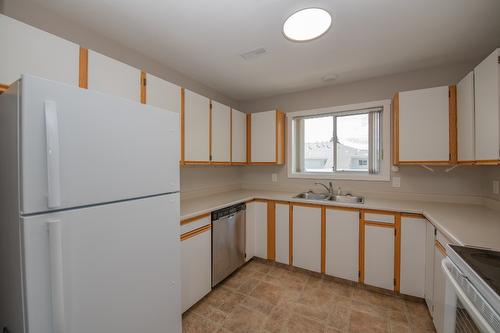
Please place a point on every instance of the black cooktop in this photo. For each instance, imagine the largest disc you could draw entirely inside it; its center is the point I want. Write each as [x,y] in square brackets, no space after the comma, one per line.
[485,263]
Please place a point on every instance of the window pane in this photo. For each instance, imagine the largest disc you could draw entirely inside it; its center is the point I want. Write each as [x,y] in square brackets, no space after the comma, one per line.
[352,143]
[318,144]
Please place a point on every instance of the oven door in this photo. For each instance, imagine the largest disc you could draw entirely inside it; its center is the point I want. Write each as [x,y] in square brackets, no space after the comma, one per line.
[466,310]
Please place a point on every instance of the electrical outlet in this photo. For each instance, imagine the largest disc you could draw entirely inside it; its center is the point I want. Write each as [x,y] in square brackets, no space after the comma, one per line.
[496,186]
[274,177]
[396,181]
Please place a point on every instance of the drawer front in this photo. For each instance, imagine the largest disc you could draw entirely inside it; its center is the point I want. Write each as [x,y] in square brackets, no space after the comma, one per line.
[377,217]
[195,224]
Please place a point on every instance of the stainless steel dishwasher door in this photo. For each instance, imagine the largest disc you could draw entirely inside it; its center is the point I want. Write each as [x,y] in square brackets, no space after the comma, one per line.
[228,245]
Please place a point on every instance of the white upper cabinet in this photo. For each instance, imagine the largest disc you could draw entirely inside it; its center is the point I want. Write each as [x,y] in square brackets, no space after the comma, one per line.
[221,133]
[196,128]
[27,50]
[113,77]
[307,237]
[487,108]
[465,119]
[163,94]
[282,233]
[239,137]
[413,240]
[342,244]
[267,137]
[422,120]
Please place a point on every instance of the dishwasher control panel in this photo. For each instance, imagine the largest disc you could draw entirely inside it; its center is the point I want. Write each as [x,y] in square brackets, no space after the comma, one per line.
[218,214]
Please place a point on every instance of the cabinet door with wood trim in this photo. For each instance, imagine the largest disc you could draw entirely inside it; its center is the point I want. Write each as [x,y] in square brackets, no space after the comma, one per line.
[267,137]
[439,289]
[113,77]
[196,264]
[342,243]
[465,120]
[426,126]
[163,94]
[260,211]
[282,233]
[413,240]
[196,128]
[239,137]
[487,109]
[221,133]
[379,256]
[28,50]
[430,238]
[307,237]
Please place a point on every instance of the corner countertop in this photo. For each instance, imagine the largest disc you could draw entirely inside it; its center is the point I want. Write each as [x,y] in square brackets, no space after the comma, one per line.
[463,224]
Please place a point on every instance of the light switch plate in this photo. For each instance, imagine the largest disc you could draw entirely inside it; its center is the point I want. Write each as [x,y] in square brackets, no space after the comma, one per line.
[274,177]
[496,186]
[396,181]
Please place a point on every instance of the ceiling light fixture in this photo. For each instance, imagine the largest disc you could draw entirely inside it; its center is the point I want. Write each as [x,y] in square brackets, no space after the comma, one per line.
[307,24]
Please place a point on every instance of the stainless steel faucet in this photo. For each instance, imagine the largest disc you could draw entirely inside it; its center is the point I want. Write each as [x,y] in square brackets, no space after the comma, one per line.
[328,188]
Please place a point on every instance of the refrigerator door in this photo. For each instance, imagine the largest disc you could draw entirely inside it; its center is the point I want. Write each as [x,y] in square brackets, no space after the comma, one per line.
[81,147]
[107,268]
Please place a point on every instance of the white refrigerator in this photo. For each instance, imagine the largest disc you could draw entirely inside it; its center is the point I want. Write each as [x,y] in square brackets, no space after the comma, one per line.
[89,212]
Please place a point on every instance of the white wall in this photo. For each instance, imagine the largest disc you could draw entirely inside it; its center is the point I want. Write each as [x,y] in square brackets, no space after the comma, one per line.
[202,180]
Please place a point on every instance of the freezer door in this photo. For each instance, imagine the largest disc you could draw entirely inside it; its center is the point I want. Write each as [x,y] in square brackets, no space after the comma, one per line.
[81,147]
[107,268]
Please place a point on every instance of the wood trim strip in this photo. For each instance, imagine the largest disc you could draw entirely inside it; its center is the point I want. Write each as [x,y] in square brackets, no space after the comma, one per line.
[210,132]
[290,234]
[413,215]
[453,123]
[304,204]
[351,209]
[380,224]
[444,163]
[466,162]
[397,254]
[271,230]
[262,163]
[361,264]
[219,163]
[195,232]
[195,218]
[3,87]
[183,107]
[280,137]
[487,162]
[323,239]
[83,68]
[195,163]
[249,138]
[143,87]
[238,163]
[381,212]
[395,129]
[440,247]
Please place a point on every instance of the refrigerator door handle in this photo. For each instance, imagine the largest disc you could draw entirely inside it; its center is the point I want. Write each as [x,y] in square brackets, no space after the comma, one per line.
[56,276]
[52,136]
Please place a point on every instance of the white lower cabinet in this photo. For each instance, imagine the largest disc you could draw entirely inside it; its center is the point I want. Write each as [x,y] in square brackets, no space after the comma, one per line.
[196,268]
[250,230]
[260,229]
[342,244]
[307,237]
[379,256]
[429,266]
[413,239]
[282,233]
[439,290]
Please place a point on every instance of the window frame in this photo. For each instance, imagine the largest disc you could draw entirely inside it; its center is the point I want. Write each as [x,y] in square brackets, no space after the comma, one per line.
[385,135]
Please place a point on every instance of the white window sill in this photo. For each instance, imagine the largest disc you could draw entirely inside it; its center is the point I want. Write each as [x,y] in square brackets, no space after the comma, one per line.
[341,176]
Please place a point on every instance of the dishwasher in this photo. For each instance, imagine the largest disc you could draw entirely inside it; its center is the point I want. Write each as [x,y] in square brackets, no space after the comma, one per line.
[228,241]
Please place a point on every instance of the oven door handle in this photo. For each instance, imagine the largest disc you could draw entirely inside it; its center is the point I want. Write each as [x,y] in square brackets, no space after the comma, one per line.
[478,318]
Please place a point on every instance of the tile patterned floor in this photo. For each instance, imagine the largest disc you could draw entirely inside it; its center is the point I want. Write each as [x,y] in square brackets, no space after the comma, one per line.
[266,298]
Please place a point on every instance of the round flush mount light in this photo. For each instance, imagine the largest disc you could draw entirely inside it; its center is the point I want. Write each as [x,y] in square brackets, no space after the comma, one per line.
[307,24]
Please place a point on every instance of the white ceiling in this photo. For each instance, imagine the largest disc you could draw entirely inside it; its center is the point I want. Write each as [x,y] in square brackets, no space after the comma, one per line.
[204,39]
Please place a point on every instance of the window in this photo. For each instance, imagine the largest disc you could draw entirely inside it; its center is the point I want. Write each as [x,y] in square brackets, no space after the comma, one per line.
[340,142]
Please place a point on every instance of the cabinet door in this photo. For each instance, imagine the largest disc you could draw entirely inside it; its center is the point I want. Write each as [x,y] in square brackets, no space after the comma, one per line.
[429,265]
[163,94]
[260,209]
[487,107]
[307,237]
[221,132]
[413,240]
[112,77]
[342,244]
[27,50]
[379,256]
[250,231]
[424,125]
[282,233]
[465,118]
[263,137]
[196,268]
[196,127]
[439,290]
[239,137]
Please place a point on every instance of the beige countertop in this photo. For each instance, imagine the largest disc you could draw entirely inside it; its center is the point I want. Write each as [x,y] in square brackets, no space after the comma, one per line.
[463,224]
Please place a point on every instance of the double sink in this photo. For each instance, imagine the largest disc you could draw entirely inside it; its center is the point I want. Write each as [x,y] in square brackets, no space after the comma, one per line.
[341,198]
